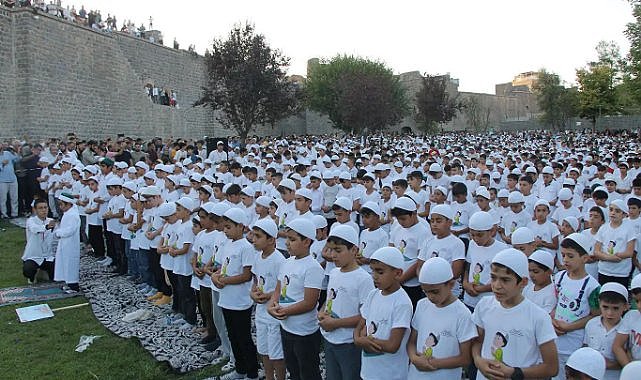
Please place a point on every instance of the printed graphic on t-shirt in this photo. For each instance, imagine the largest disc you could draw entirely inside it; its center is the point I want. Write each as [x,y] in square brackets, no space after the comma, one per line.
[457,219]
[363,245]
[223,271]
[199,259]
[401,247]
[513,227]
[611,246]
[476,274]
[430,343]
[331,296]
[282,220]
[372,328]
[499,342]
[434,254]
[260,283]
[283,291]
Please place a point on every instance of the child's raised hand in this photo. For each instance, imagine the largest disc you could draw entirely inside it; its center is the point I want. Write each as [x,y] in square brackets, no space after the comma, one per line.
[488,369]
[505,371]
[422,363]
[368,344]
[326,321]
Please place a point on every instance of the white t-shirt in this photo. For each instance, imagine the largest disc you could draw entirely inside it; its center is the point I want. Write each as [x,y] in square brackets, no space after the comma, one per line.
[546,232]
[285,213]
[462,213]
[408,241]
[575,299]
[450,248]
[614,240]
[382,313]
[93,219]
[631,326]
[115,205]
[598,338]
[265,271]
[203,250]
[513,335]
[346,292]
[544,298]
[479,260]
[295,275]
[234,256]
[439,333]
[512,221]
[184,235]
[370,241]
[169,234]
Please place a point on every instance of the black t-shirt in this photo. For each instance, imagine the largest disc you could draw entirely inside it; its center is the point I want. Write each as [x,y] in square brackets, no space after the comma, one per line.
[124,156]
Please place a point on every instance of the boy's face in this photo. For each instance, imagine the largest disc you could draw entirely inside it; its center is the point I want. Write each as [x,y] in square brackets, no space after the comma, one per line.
[196,228]
[247,200]
[504,284]
[261,240]
[369,219]
[407,221]
[296,245]
[440,225]
[302,204]
[460,198]
[511,183]
[483,202]
[616,215]
[232,230]
[42,210]
[386,192]
[595,219]
[315,183]
[526,248]
[538,275]
[341,214]
[516,207]
[541,213]
[612,311]
[181,212]
[636,295]
[525,187]
[438,294]
[633,211]
[341,255]
[503,202]
[399,190]
[384,276]
[572,260]
[481,238]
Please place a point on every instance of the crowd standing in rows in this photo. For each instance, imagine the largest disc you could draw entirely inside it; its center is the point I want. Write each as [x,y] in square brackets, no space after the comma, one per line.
[498,256]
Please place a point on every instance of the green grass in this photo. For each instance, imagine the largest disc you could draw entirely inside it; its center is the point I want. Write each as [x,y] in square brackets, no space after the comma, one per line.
[45,349]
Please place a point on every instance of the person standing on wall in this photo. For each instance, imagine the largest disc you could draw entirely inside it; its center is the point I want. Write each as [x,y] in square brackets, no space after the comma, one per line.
[8,181]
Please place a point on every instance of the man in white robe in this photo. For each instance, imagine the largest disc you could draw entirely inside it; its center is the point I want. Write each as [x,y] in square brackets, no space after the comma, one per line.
[67,266]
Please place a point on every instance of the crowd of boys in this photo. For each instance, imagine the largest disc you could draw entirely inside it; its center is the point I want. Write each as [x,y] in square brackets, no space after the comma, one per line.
[399,258]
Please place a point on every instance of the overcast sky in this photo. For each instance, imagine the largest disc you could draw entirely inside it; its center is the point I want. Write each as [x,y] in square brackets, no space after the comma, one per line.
[479,42]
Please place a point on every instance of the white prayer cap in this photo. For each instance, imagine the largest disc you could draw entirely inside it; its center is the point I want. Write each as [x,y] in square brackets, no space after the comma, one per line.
[443,210]
[614,287]
[303,227]
[522,235]
[344,232]
[588,361]
[436,270]
[390,256]
[513,259]
[542,257]
[481,221]
[268,226]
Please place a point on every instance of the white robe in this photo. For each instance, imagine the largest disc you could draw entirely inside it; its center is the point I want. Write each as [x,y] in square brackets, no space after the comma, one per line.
[39,241]
[67,267]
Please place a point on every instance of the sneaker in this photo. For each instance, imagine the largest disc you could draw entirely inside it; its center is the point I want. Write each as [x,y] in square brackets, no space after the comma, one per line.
[70,291]
[178,322]
[102,259]
[230,366]
[221,359]
[65,287]
[142,286]
[153,295]
[29,282]
[186,326]
[233,375]
[106,262]
[163,300]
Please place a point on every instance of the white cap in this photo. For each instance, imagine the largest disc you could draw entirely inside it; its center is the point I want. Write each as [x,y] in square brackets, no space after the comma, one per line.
[248,191]
[114,181]
[319,221]
[268,226]
[208,207]
[305,193]
[405,203]
[186,202]
[442,189]
[373,206]
[620,204]
[481,221]
[547,170]
[482,191]
[542,202]
[166,209]
[66,197]
[220,208]
[390,256]
[142,165]
[542,257]
[149,190]
[503,193]
[515,197]
[631,371]
[530,169]
[636,282]
[614,287]
[344,232]
[513,259]
[436,270]
[288,184]
[130,185]
[184,182]
[207,189]
[236,215]
[572,221]
[565,194]
[435,168]
[345,176]
[264,201]
[443,210]
[588,361]
[581,240]
[303,227]
[522,235]
[344,203]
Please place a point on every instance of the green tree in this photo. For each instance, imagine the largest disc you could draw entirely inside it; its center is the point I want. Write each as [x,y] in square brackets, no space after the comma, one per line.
[597,83]
[434,106]
[247,82]
[557,103]
[632,69]
[477,112]
[356,94]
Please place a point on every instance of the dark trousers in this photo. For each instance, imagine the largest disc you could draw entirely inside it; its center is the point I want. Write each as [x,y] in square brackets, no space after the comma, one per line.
[119,258]
[83,229]
[30,268]
[96,240]
[238,324]
[625,281]
[206,309]
[301,355]
[175,304]
[25,195]
[187,298]
[415,293]
[158,273]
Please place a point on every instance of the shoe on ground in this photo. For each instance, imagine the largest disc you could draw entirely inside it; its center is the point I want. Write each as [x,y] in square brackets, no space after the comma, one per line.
[164,300]
[230,366]
[71,291]
[29,282]
[208,339]
[186,326]
[65,287]
[142,285]
[213,347]
[233,375]
[221,359]
[155,296]
[107,261]
[178,322]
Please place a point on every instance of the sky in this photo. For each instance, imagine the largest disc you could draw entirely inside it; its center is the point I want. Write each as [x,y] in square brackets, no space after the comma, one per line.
[481,43]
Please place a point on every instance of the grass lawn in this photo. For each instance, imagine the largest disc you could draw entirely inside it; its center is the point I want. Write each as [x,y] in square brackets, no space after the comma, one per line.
[45,349]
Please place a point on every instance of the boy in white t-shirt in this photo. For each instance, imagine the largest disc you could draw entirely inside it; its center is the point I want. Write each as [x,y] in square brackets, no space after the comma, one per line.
[373,236]
[294,302]
[440,341]
[348,287]
[516,337]
[540,288]
[601,331]
[234,280]
[265,272]
[444,244]
[634,210]
[515,217]
[627,343]
[546,233]
[383,329]
[614,246]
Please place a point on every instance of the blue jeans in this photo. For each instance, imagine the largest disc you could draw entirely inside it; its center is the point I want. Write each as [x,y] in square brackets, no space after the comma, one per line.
[342,361]
[132,265]
[142,261]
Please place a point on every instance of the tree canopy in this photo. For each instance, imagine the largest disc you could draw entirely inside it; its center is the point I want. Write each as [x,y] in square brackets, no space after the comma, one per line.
[557,103]
[356,94]
[247,82]
[433,103]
